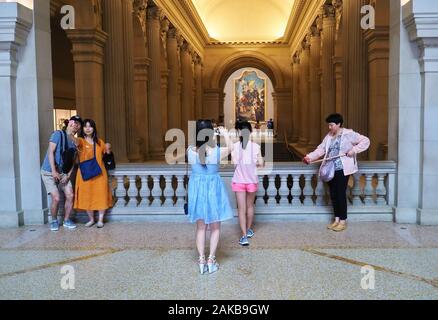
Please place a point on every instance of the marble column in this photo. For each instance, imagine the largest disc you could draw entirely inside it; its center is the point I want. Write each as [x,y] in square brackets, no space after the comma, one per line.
[420,18]
[295,98]
[88,48]
[187,113]
[198,85]
[114,74]
[355,68]
[155,104]
[304,88]
[314,120]
[378,63]
[328,86]
[173,97]
[16,23]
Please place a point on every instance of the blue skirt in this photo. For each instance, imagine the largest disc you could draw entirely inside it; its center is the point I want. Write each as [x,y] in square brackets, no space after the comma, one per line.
[208,199]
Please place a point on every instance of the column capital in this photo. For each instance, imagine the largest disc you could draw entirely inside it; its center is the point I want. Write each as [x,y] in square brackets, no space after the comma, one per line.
[15,24]
[88,44]
[421,20]
[153,13]
[328,11]
[173,33]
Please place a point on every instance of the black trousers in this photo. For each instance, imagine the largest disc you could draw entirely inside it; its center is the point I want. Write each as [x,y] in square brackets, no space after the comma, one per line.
[338,194]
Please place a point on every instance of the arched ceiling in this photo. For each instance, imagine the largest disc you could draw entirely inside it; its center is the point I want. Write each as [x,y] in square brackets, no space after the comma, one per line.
[245,20]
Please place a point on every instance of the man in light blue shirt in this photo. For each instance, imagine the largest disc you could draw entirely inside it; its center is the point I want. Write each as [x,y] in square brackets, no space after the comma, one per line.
[54,179]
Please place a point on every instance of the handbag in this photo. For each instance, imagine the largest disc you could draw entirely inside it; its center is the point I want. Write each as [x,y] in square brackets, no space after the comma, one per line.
[109,161]
[90,168]
[67,154]
[327,170]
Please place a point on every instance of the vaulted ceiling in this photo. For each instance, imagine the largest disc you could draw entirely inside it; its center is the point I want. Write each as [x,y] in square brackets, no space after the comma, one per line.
[244,20]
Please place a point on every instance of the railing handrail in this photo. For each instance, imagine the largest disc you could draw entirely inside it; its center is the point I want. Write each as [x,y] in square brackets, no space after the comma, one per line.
[389,167]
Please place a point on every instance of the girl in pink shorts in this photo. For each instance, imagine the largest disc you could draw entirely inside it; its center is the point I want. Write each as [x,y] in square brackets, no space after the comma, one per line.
[246,157]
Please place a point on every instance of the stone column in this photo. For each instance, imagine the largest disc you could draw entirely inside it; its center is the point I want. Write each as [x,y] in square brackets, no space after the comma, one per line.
[16,22]
[421,21]
[141,66]
[282,98]
[198,85]
[133,141]
[355,68]
[314,121]
[304,88]
[295,98]
[88,56]
[155,104]
[173,97]
[114,73]
[328,90]
[140,100]
[187,113]
[378,63]
[164,28]
[338,58]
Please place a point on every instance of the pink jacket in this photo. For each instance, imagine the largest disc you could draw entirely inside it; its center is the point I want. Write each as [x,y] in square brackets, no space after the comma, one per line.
[350,140]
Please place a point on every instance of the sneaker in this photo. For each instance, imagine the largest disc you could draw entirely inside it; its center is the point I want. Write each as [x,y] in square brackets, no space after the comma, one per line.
[250,233]
[54,225]
[89,224]
[100,224]
[244,241]
[69,224]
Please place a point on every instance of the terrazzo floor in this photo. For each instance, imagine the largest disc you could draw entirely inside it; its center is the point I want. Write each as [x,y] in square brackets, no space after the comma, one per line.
[157,260]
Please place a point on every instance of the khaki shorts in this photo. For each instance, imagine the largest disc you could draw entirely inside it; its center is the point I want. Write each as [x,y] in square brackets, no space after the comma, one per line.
[52,186]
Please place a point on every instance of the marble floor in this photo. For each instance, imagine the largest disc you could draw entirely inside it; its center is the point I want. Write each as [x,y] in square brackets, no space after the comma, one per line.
[157,260]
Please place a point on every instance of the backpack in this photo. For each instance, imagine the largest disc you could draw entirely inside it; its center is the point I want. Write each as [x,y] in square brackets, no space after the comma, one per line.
[68,155]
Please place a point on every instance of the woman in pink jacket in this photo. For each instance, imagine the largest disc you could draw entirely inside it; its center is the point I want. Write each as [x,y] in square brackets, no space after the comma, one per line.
[347,143]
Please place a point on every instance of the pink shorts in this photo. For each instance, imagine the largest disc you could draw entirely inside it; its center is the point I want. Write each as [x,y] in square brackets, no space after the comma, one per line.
[244,187]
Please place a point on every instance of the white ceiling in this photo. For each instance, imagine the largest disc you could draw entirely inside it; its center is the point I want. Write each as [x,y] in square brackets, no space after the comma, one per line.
[245,20]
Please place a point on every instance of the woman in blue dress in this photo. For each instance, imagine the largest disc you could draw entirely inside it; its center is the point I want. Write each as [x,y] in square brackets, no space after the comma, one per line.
[208,202]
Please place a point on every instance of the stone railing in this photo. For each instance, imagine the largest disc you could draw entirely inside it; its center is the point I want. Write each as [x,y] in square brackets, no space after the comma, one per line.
[290,189]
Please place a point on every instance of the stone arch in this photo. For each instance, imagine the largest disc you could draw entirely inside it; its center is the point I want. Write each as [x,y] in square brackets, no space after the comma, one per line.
[246,59]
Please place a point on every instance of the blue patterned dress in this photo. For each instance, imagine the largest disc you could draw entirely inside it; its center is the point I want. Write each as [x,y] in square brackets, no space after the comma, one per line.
[207,196]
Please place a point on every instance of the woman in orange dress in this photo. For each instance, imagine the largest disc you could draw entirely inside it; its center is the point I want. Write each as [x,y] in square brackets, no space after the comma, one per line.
[94,194]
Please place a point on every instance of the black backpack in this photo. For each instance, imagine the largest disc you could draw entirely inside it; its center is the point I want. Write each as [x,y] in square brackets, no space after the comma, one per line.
[68,155]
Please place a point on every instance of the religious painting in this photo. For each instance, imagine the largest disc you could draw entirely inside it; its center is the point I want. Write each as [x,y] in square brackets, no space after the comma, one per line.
[249,97]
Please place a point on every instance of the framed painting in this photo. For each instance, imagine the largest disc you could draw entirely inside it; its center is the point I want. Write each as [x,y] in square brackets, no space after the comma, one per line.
[249,97]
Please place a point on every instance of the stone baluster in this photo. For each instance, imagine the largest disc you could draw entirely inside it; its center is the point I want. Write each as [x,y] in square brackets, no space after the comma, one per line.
[381,191]
[120,192]
[156,191]
[132,192]
[356,192]
[260,201]
[144,191]
[296,190]
[283,191]
[320,192]
[168,191]
[180,190]
[308,190]
[369,190]
[272,190]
